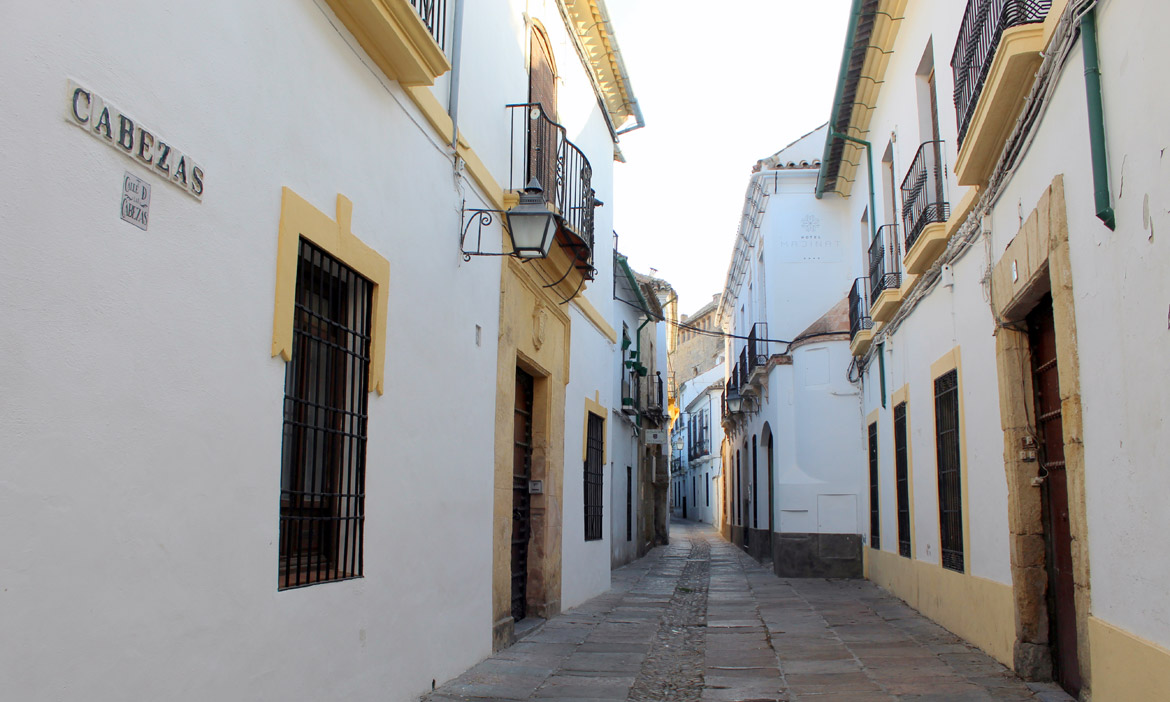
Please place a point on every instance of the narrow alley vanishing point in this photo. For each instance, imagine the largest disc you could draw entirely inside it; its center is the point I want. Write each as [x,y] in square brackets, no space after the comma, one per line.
[700,620]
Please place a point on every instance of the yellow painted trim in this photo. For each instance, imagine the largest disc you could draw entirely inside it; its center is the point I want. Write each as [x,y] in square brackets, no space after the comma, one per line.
[595,318]
[1052,20]
[860,342]
[951,360]
[1125,666]
[886,304]
[1012,72]
[886,22]
[395,38]
[979,610]
[299,219]
[593,32]
[901,395]
[926,249]
[592,406]
[440,121]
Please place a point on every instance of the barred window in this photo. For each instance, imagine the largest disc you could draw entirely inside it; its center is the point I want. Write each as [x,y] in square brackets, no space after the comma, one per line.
[323,456]
[629,503]
[593,476]
[950,495]
[902,477]
[875,525]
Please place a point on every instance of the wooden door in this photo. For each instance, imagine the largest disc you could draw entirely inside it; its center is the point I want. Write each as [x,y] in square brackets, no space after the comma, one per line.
[1057,532]
[521,500]
[542,135]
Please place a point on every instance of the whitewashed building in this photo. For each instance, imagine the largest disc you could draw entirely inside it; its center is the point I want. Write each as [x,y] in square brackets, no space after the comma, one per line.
[700,434]
[640,422]
[272,426]
[995,173]
[794,495]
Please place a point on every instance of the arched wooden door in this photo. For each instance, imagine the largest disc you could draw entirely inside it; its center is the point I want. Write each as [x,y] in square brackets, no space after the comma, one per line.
[542,135]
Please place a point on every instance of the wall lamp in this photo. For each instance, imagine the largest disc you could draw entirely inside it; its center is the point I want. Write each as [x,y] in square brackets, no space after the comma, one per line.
[531,226]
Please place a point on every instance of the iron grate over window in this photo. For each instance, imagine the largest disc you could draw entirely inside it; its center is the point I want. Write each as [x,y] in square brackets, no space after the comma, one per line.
[902,477]
[323,456]
[593,477]
[629,503]
[875,525]
[950,496]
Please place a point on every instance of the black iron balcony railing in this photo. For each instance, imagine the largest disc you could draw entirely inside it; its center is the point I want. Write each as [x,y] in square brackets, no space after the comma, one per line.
[434,16]
[654,396]
[757,346]
[885,261]
[743,367]
[859,318]
[923,199]
[540,150]
[983,25]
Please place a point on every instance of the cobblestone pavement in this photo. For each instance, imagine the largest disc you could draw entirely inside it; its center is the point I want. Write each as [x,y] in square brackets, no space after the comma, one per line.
[699,620]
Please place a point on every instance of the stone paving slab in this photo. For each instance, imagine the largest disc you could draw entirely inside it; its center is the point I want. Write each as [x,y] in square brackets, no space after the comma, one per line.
[700,621]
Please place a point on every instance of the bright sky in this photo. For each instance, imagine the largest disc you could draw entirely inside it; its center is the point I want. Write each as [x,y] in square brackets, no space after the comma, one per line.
[721,85]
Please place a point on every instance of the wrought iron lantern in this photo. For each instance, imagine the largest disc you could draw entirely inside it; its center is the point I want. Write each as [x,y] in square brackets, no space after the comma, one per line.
[734,401]
[531,225]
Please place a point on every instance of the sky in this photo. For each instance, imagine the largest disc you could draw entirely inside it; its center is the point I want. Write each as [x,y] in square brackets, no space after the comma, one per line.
[721,85]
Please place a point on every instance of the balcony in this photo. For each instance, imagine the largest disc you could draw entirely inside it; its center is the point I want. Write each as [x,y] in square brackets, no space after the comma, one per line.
[925,208]
[631,386]
[433,13]
[885,273]
[860,323]
[540,150]
[405,39]
[757,352]
[996,56]
[655,409]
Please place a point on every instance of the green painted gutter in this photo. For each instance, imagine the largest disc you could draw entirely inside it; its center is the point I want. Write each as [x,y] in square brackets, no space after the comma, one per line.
[842,75]
[1096,120]
[869,159]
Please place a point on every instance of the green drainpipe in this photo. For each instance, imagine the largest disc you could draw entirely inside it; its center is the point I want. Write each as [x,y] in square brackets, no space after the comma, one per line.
[881,350]
[842,76]
[869,159]
[1096,120]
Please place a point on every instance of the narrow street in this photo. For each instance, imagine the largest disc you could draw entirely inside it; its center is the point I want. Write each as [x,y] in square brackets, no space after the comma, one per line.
[699,620]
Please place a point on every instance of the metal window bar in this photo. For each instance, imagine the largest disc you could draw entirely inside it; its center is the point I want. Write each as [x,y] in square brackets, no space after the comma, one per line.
[983,26]
[593,477]
[539,149]
[902,478]
[885,261]
[950,497]
[859,318]
[323,452]
[434,15]
[875,525]
[923,199]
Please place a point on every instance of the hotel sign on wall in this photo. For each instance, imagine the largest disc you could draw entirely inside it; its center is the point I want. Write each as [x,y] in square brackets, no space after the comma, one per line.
[116,129]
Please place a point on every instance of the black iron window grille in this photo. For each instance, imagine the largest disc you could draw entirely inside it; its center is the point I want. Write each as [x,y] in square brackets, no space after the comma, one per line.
[875,525]
[885,261]
[902,478]
[983,26]
[859,318]
[434,15]
[950,488]
[923,199]
[540,150]
[594,448]
[323,455]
